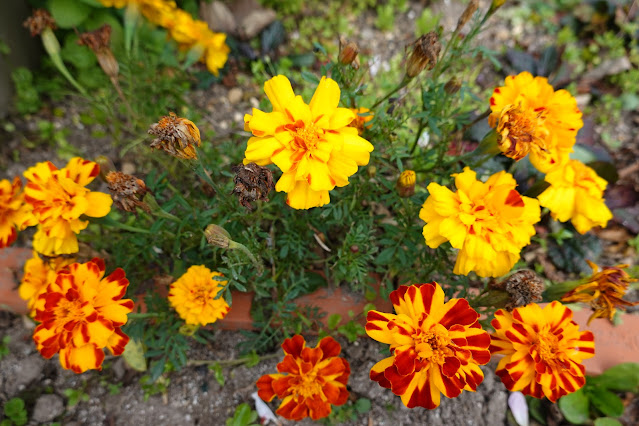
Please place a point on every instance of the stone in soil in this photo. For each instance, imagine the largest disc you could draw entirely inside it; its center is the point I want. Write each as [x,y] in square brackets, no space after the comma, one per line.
[47,408]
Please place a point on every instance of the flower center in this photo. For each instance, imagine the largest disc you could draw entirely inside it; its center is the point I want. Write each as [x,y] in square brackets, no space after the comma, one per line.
[520,130]
[547,346]
[432,345]
[69,310]
[306,385]
[305,136]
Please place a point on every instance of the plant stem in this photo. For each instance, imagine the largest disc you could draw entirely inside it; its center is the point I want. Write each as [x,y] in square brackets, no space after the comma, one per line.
[400,86]
[420,129]
[134,316]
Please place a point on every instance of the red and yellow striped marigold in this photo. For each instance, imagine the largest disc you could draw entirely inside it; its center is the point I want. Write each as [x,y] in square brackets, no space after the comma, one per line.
[543,350]
[14,213]
[436,346]
[81,313]
[38,274]
[316,379]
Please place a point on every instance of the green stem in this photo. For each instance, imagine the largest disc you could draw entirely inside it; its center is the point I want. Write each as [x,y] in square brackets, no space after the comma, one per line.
[401,85]
[134,316]
[247,252]
[420,129]
[156,210]
[109,221]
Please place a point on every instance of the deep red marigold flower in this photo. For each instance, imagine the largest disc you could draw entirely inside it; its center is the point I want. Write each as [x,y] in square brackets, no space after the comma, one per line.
[543,350]
[316,379]
[436,347]
[81,313]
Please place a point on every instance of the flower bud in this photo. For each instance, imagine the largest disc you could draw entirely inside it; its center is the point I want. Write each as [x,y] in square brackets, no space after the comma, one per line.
[406,183]
[371,171]
[468,13]
[452,86]
[424,54]
[348,52]
[496,4]
[217,236]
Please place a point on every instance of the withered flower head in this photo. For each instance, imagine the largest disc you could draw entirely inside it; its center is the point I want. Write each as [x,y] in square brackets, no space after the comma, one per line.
[217,236]
[176,136]
[98,42]
[127,192]
[424,54]
[519,131]
[468,13]
[603,290]
[252,182]
[524,287]
[40,20]
[348,51]
[452,86]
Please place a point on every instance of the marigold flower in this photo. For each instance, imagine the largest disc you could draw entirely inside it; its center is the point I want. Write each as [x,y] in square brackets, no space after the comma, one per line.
[406,183]
[532,118]
[543,350]
[196,296]
[14,213]
[488,222]
[576,194]
[176,136]
[159,12]
[603,290]
[58,199]
[316,379]
[81,313]
[362,116]
[38,274]
[436,347]
[312,144]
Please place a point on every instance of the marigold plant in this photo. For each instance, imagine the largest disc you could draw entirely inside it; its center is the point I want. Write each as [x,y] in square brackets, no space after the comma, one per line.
[312,144]
[362,117]
[38,274]
[543,350]
[196,296]
[576,194]
[436,346]
[309,380]
[81,313]
[14,213]
[603,290]
[488,222]
[531,117]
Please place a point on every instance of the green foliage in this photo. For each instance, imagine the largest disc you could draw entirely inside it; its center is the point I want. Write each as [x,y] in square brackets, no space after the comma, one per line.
[75,396]
[153,386]
[27,98]
[69,13]
[244,416]
[216,368]
[15,412]
[348,412]
[4,346]
[599,395]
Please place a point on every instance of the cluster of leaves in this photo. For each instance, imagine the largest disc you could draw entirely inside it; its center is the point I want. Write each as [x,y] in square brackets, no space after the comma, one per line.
[15,413]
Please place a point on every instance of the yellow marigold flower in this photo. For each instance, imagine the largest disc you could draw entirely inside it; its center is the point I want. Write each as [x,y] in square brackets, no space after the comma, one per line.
[488,222]
[58,199]
[14,213]
[532,118]
[576,194]
[312,144]
[436,347]
[195,296]
[81,313]
[406,183]
[316,379]
[603,290]
[543,350]
[115,3]
[362,116]
[38,274]
[176,136]
[158,12]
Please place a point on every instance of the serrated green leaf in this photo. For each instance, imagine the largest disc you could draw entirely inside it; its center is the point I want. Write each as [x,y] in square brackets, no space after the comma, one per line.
[134,355]
[575,407]
[606,402]
[69,13]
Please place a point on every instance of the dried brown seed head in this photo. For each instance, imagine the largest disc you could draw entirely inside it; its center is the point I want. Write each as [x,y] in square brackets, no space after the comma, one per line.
[524,287]
[127,192]
[98,42]
[348,52]
[40,20]
[252,183]
[177,136]
[424,54]
[467,14]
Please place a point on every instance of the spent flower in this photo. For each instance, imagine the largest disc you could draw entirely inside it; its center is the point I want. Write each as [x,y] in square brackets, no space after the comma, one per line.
[424,54]
[543,350]
[488,222]
[603,291]
[436,347]
[312,143]
[127,192]
[252,183]
[309,380]
[176,136]
[82,312]
[40,20]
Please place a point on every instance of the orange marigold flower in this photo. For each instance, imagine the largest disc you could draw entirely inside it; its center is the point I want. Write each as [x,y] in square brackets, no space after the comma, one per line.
[603,290]
[532,118]
[81,313]
[196,296]
[543,350]
[576,194]
[436,347]
[14,213]
[176,135]
[58,199]
[38,274]
[316,379]
[362,116]
[488,222]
